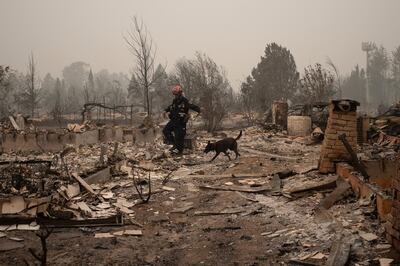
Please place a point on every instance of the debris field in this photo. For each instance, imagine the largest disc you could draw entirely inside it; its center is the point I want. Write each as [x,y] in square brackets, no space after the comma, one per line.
[130,203]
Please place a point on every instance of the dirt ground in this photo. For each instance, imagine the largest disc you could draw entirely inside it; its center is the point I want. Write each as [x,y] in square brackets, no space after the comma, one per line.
[197,226]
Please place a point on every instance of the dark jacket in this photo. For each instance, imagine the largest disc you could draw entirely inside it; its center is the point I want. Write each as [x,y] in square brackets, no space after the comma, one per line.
[179,109]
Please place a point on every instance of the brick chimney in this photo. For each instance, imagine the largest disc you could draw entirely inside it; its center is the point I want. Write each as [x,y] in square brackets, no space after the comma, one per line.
[342,120]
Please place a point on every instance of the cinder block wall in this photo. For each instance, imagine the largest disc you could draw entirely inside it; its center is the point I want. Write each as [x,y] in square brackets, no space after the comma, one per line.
[340,121]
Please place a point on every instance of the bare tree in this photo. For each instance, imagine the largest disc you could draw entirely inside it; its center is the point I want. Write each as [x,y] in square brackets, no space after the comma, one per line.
[316,85]
[338,82]
[216,91]
[206,83]
[183,74]
[142,47]
[30,97]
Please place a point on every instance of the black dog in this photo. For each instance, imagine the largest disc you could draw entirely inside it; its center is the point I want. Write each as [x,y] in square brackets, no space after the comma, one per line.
[223,146]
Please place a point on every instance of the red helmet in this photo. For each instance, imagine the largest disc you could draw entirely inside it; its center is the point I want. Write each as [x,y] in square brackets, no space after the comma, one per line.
[177,90]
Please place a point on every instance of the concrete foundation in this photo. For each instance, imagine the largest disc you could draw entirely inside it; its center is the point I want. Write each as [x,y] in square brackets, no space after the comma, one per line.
[54,142]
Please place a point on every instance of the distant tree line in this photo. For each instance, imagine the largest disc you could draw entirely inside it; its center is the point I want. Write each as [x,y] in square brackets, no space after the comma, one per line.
[32,95]
[203,81]
[275,77]
[383,78]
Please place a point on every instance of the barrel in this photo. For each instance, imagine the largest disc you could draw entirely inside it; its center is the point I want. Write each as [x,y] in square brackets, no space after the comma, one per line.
[299,125]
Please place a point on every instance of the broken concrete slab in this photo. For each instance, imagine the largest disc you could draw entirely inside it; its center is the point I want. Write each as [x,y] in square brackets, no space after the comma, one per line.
[133,232]
[118,233]
[103,235]
[168,188]
[28,227]
[367,236]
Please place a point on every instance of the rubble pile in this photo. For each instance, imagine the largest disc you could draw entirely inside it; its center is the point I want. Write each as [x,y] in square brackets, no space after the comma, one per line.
[270,206]
[378,152]
[28,179]
[388,122]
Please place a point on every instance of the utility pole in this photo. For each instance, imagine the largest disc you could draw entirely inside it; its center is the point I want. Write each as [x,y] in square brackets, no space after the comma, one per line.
[367,47]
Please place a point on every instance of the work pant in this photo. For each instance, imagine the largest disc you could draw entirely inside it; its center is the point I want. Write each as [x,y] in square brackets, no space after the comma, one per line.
[178,129]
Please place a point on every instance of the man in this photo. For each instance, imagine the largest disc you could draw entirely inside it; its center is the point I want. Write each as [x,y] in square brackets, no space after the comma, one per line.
[178,115]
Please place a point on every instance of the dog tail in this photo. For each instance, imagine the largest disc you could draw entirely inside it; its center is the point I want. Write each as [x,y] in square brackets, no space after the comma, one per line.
[240,134]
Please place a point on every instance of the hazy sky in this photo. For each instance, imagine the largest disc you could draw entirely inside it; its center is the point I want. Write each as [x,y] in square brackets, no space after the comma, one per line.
[233,32]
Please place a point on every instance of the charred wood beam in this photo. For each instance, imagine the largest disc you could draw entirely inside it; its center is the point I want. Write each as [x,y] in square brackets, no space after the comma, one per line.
[357,164]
